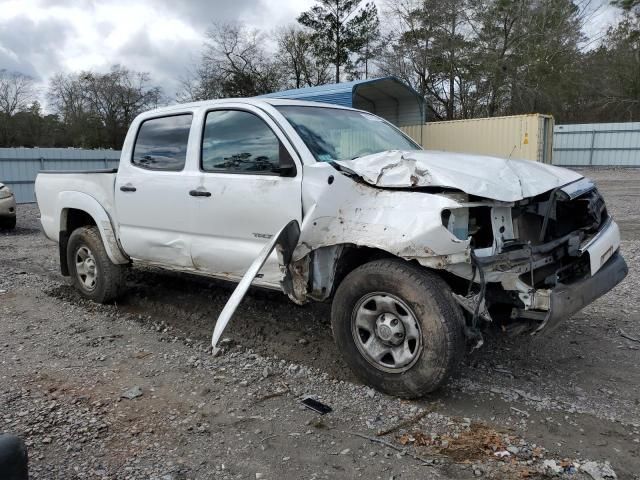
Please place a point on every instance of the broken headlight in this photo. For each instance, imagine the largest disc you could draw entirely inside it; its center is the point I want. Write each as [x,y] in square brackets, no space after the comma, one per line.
[456,221]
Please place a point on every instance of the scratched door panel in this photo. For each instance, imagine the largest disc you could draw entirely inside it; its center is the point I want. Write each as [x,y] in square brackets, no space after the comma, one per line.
[239,218]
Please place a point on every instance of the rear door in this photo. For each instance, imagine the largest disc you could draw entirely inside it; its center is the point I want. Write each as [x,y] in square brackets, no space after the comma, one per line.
[253,177]
[154,209]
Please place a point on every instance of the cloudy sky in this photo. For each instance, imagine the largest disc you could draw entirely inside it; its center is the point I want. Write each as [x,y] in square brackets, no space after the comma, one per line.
[162,37]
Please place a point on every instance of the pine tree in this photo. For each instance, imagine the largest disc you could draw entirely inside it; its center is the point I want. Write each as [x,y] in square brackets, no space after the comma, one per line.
[339,28]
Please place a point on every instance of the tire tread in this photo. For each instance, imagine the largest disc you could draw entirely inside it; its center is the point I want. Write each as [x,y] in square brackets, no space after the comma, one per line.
[112,279]
[428,281]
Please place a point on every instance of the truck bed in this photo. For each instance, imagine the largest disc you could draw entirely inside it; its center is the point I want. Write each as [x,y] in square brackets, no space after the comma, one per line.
[51,186]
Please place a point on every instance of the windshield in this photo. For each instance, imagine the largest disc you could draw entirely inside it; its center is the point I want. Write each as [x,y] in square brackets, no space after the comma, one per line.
[336,134]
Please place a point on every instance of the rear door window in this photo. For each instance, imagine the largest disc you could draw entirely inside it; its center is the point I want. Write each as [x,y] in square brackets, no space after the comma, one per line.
[162,143]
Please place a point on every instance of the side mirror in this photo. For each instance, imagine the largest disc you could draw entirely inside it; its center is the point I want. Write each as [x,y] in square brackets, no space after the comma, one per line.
[287,167]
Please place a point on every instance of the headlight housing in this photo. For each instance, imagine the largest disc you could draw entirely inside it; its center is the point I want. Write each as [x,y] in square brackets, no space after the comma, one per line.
[456,220]
[5,192]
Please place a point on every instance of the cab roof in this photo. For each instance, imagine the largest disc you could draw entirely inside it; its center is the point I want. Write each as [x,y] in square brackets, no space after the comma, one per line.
[249,101]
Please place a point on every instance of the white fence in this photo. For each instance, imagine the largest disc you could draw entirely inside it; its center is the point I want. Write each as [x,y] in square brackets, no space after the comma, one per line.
[597,144]
[19,166]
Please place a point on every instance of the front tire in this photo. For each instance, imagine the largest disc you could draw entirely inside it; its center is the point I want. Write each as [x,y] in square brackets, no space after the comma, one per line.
[398,327]
[92,272]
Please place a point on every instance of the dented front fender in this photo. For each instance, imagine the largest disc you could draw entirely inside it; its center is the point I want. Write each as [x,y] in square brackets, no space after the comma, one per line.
[339,210]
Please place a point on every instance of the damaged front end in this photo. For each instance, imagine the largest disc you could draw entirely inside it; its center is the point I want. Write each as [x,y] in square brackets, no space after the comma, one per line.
[523,263]
[522,256]
[537,261]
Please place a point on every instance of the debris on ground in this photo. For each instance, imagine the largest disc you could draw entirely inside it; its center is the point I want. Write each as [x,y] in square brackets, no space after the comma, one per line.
[133,392]
[316,406]
[598,471]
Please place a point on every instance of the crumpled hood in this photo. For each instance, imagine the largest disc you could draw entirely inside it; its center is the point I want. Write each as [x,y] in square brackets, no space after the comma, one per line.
[489,177]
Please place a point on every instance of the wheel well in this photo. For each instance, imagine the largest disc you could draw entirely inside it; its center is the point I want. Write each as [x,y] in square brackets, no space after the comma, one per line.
[73,219]
[76,219]
[354,256]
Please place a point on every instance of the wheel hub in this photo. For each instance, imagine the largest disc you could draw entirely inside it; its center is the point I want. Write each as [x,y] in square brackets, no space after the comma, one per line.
[386,332]
[86,268]
[90,265]
[390,329]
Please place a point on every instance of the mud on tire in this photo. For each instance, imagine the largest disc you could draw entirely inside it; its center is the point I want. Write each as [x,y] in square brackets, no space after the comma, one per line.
[398,293]
[91,270]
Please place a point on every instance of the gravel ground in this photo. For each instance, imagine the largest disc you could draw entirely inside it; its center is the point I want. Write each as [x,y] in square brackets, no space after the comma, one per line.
[565,404]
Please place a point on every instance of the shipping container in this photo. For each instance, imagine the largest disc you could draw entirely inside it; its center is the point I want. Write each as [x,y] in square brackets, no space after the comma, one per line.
[527,137]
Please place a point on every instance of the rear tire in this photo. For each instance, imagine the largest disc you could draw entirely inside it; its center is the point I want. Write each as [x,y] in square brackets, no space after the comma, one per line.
[398,327]
[8,223]
[92,272]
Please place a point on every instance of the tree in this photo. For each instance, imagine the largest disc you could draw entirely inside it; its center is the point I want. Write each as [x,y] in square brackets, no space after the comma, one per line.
[428,50]
[547,62]
[201,82]
[17,92]
[338,29]
[299,59]
[68,99]
[35,129]
[369,33]
[116,97]
[626,4]
[451,54]
[498,33]
[234,64]
[487,57]
[97,108]
[610,87]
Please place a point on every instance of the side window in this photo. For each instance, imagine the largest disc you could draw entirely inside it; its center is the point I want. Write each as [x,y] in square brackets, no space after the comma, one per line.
[239,142]
[162,143]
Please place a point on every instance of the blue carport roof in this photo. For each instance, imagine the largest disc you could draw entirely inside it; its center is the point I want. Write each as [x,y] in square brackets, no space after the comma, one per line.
[388,97]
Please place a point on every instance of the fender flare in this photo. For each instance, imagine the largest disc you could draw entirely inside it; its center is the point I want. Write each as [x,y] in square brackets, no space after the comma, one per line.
[86,203]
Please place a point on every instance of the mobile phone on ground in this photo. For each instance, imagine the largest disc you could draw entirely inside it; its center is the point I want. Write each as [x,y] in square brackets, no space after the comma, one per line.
[316,406]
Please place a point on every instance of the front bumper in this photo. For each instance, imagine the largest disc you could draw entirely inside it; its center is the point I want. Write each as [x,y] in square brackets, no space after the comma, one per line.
[567,299]
[8,207]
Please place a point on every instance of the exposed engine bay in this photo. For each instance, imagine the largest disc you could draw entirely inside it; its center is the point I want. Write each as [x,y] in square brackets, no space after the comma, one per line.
[522,251]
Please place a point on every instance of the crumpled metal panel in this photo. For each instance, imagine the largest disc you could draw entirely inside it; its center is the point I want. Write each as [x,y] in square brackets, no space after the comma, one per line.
[488,177]
[339,211]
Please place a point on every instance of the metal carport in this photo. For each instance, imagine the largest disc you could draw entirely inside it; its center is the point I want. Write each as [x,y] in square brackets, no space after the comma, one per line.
[386,97]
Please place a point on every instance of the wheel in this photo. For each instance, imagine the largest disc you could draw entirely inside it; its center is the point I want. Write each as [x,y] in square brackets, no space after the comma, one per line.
[8,223]
[92,272]
[398,327]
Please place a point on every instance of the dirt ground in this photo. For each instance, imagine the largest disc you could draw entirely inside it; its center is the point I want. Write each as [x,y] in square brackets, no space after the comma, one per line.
[565,404]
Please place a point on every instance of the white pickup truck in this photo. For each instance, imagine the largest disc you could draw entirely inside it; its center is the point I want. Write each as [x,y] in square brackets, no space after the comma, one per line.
[418,250]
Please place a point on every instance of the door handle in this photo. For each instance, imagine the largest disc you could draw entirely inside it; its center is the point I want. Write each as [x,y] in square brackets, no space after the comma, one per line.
[127,188]
[199,193]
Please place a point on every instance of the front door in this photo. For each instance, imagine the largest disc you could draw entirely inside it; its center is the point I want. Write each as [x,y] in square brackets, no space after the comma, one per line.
[242,159]
[154,209]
